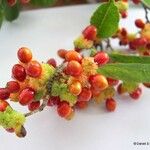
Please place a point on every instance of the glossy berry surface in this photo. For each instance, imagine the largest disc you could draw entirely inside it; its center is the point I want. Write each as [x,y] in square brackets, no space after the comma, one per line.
[75,88]
[112,82]
[101,58]
[62,53]
[18,72]
[98,82]
[136,94]
[85,95]
[81,104]
[26,96]
[13,86]
[52,62]
[111,104]
[34,105]
[64,109]
[4,93]
[139,23]
[73,68]
[90,32]
[34,69]
[73,55]
[3,105]
[24,55]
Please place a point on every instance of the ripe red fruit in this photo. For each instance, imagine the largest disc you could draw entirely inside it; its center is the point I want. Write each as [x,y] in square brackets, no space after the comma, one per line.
[54,100]
[74,68]
[64,109]
[112,82]
[3,105]
[73,55]
[139,23]
[75,88]
[4,93]
[85,95]
[81,104]
[18,72]
[34,105]
[62,53]
[90,32]
[52,62]
[11,3]
[111,104]
[24,55]
[26,96]
[136,1]
[136,94]
[147,85]
[101,58]
[124,32]
[98,82]
[124,14]
[13,86]
[34,69]
[139,42]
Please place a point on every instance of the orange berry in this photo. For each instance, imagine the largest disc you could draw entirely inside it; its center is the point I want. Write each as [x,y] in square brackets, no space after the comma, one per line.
[73,55]
[75,88]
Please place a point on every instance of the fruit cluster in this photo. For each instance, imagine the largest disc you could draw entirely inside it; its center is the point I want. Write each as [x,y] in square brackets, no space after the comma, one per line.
[76,82]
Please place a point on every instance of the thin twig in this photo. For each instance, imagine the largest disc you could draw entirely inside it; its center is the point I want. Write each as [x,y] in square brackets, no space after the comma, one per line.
[41,108]
[44,104]
[109,44]
[146,12]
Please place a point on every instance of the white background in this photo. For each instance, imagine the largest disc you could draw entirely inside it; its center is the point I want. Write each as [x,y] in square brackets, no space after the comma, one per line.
[45,31]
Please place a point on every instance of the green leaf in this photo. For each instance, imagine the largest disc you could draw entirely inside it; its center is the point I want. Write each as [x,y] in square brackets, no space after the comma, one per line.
[106,19]
[42,2]
[146,2]
[1,18]
[129,58]
[129,72]
[11,13]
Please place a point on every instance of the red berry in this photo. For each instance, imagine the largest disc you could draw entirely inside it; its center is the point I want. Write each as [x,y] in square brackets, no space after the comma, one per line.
[75,88]
[101,58]
[52,62]
[98,82]
[81,104]
[124,32]
[74,68]
[136,94]
[62,53]
[34,69]
[112,82]
[19,72]
[111,104]
[64,109]
[3,105]
[11,3]
[26,96]
[13,86]
[136,1]
[147,85]
[54,100]
[139,42]
[139,23]
[124,14]
[34,105]
[4,93]
[85,95]
[24,55]
[90,32]
[73,55]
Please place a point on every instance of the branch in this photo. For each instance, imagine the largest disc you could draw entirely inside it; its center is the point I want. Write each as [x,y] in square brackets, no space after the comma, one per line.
[146,12]
[41,108]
